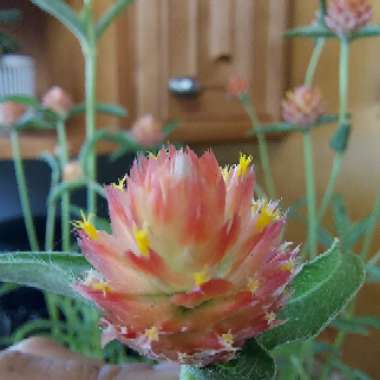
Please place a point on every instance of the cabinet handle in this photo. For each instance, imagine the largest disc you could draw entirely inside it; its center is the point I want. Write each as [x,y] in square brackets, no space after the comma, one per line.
[184,86]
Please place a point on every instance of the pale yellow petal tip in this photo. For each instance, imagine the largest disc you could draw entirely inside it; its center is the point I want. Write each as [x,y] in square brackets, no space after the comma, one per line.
[227,339]
[270,317]
[201,277]
[244,164]
[152,334]
[253,285]
[226,172]
[120,184]
[86,226]
[142,241]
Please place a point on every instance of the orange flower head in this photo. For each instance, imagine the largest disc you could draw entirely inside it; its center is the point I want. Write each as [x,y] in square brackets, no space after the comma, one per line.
[237,87]
[10,112]
[194,265]
[302,106]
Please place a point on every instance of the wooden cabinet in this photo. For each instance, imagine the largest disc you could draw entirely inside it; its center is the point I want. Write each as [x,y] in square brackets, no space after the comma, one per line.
[209,40]
[156,40]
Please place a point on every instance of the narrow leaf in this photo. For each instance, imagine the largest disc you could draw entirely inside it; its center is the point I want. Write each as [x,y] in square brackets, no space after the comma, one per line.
[9,15]
[331,278]
[367,31]
[65,14]
[108,109]
[110,15]
[253,363]
[373,273]
[53,272]
[349,326]
[29,101]
[310,31]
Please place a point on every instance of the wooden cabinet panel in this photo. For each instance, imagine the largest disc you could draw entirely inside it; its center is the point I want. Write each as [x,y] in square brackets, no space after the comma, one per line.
[209,40]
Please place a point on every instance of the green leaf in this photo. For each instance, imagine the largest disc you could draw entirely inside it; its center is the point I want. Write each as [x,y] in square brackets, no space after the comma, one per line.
[356,231]
[9,15]
[53,272]
[108,109]
[321,290]
[349,372]
[113,11]
[253,363]
[349,326]
[367,31]
[66,15]
[29,101]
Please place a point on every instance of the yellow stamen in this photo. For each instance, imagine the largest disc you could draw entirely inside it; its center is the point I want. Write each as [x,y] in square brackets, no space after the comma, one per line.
[244,163]
[267,216]
[288,266]
[253,285]
[101,286]
[152,156]
[142,241]
[228,339]
[152,334]
[120,185]
[201,277]
[86,226]
[270,317]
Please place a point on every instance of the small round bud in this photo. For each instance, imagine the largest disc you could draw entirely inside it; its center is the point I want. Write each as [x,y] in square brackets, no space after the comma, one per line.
[72,171]
[237,87]
[57,100]
[10,112]
[302,106]
[147,131]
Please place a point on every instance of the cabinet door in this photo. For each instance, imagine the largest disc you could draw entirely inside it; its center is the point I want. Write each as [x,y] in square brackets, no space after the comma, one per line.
[209,40]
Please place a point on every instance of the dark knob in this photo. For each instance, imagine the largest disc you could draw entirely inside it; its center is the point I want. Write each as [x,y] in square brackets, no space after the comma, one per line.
[184,86]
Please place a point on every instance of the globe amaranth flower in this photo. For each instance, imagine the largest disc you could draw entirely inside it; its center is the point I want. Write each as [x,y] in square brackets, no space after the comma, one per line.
[147,131]
[237,87]
[347,16]
[10,112]
[303,106]
[57,100]
[194,265]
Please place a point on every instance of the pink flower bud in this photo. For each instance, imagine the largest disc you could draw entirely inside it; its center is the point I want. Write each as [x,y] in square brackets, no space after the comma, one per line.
[194,265]
[302,106]
[237,87]
[57,100]
[147,131]
[346,16]
[72,171]
[10,112]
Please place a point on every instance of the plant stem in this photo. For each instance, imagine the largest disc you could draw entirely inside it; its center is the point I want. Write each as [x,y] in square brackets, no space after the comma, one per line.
[90,53]
[314,60]
[368,239]
[343,99]
[23,192]
[65,201]
[310,194]
[263,147]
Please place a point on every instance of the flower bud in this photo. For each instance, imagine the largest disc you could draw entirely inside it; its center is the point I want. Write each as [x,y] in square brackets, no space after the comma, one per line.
[147,131]
[72,171]
[302,106]
[237,87]
[347,16]
[10,112]
[57,100]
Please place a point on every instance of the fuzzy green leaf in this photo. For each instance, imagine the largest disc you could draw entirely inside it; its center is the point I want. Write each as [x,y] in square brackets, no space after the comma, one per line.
[65,14]
[253,363]
[321,290]
[53,272]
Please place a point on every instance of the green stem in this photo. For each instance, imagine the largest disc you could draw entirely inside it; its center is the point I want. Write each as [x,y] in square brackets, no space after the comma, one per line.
[51,209]
[343,100]
[263,147]
[23,192]
[65,201]
[310,194]
[368,239]
[90,55]
[314,60]
[185,374]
